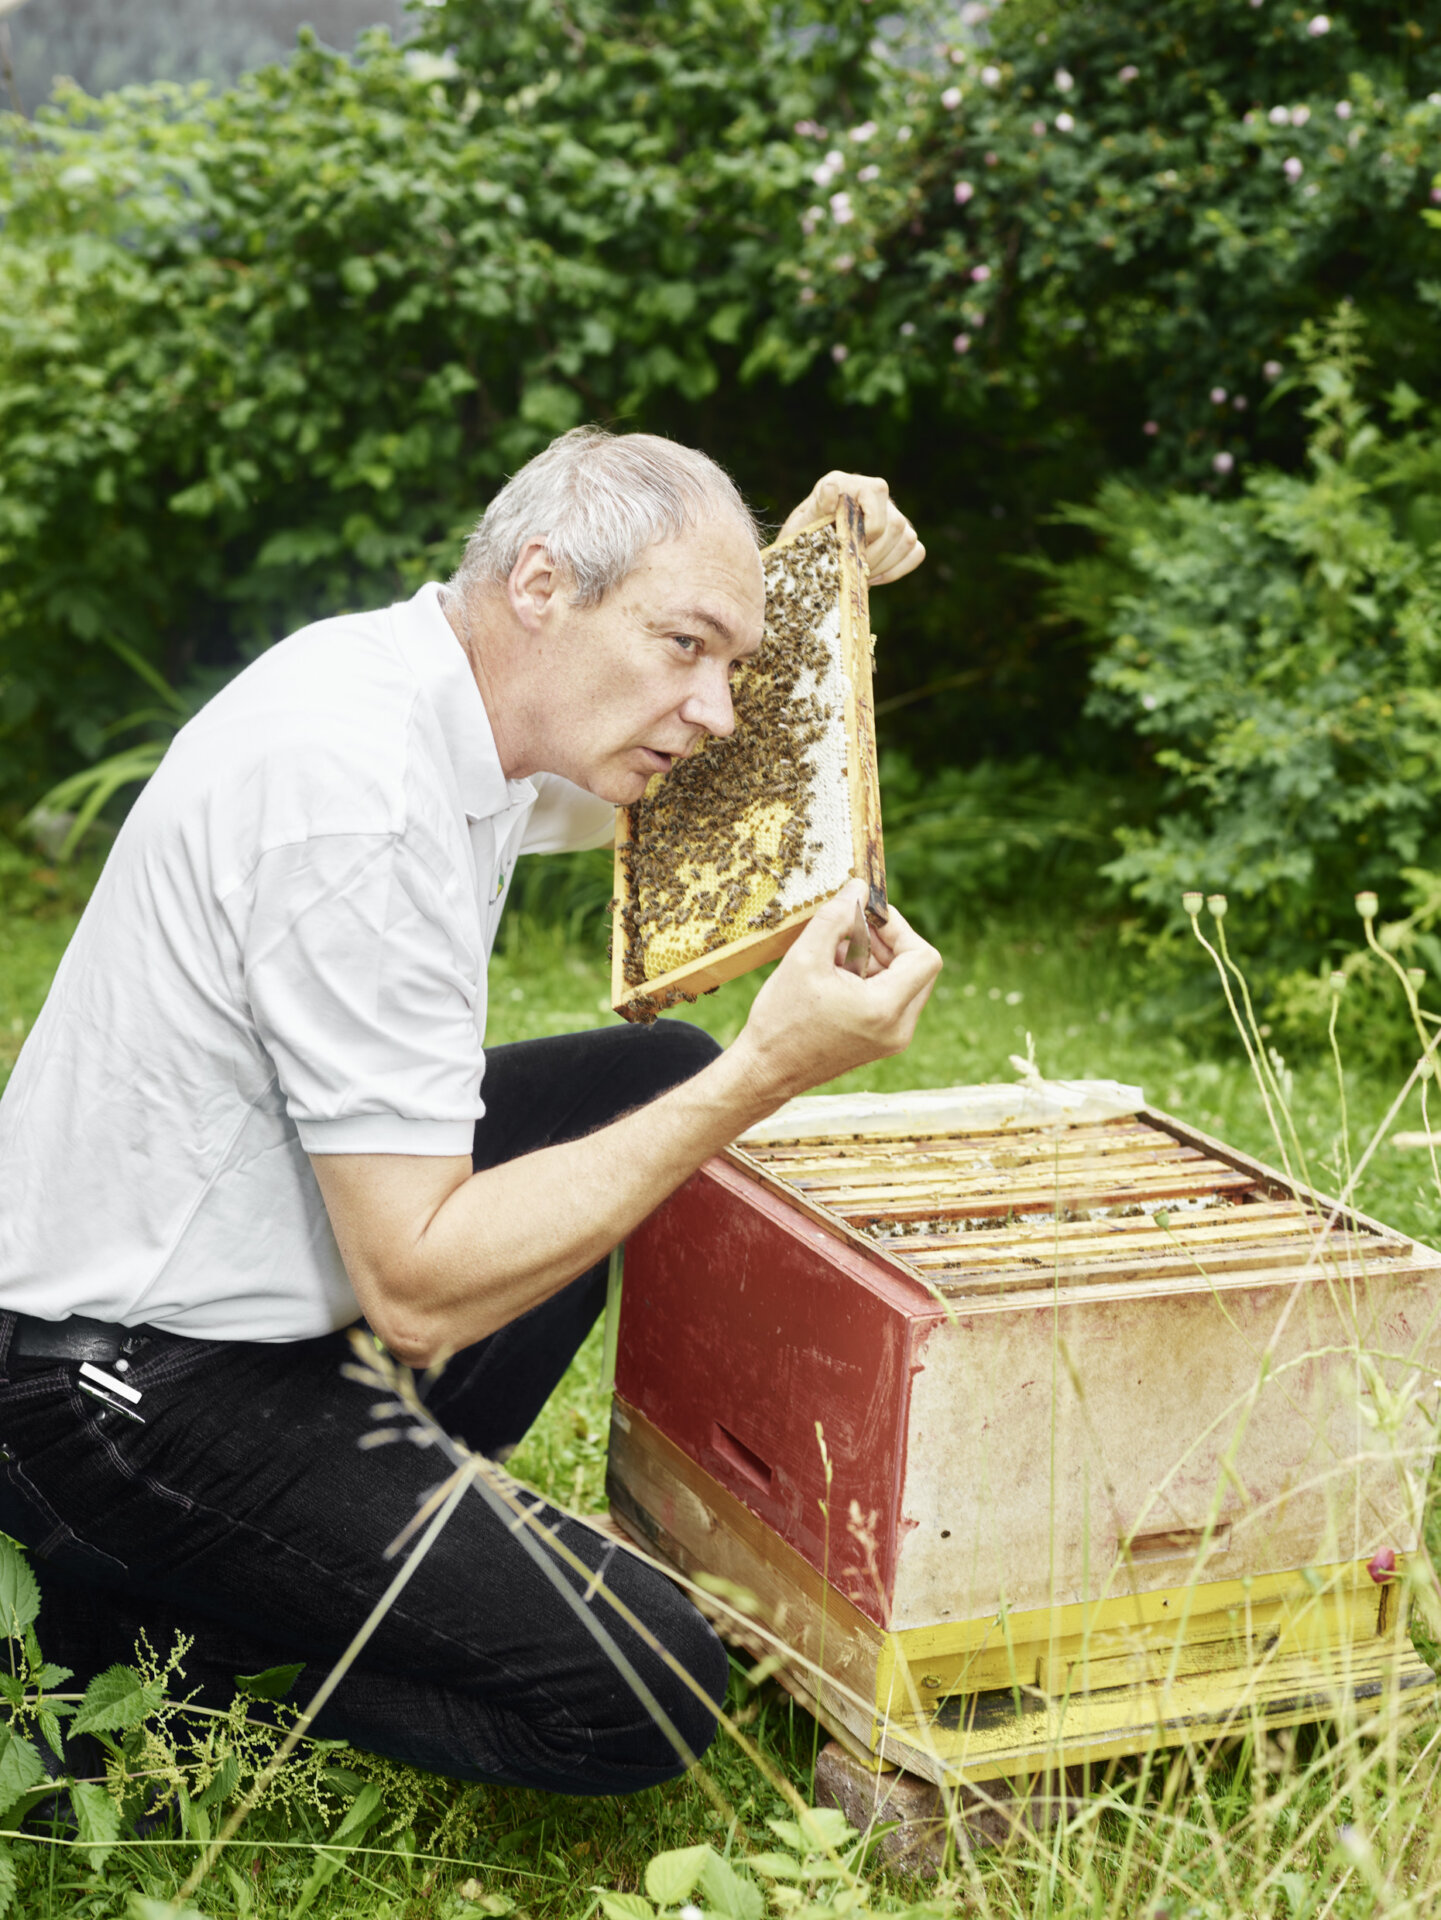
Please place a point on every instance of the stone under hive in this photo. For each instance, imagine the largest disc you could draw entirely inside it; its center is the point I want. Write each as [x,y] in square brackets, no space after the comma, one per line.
[1042,1427]
[727,856]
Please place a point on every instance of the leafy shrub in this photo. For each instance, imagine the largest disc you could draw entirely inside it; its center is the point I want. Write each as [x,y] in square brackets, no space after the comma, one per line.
[1278,653]
[265,353]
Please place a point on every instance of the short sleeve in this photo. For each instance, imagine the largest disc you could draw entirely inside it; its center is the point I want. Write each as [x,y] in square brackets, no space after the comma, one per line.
[565,818]
[366,984]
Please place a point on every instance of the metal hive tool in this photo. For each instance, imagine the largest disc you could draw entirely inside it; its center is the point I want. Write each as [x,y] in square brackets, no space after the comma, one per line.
[726,857]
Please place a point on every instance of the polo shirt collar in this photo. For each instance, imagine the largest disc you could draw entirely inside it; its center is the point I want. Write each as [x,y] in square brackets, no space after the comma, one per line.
[449,685]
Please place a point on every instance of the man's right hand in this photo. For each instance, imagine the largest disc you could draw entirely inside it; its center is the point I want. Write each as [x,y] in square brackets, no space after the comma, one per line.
[812,1020]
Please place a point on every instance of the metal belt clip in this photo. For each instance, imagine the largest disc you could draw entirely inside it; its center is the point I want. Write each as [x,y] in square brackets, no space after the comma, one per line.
[112,1392]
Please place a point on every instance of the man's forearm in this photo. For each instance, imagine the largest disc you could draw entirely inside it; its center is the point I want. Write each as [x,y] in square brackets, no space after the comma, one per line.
[480,1248]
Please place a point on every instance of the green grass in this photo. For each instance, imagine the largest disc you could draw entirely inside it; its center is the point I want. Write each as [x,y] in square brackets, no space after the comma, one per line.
[1256,1828]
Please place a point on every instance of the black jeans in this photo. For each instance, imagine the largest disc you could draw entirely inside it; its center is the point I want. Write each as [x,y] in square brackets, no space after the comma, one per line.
[243,1511]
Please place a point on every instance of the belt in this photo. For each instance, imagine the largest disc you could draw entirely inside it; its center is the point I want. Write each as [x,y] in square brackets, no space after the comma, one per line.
[78,1339]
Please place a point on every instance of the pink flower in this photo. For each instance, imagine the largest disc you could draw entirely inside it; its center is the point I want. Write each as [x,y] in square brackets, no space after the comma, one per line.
[962,343]
[1128,74]
[809,130]
[823,175]
[1151,427]
[1038,127]
[964,192]
[1299,116]
[1279,116]
[808,295]
[978,274]
[1240,403]
[1064,81]
[1218,396]
[908,327]
[1317,25]
[952,98]
[1436,195]
[1223,462]
[992,159]
[809,220]
[1293,169]
[840,353]
[864,131]
[991,76]
[869,173]
[841,208]
[1343,109]
[836,160]
[1064,123]
[844,262]
[1382,1566]
[1272,369]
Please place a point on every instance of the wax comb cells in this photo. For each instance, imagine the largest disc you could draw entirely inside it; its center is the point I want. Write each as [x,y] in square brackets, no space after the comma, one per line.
[727,855]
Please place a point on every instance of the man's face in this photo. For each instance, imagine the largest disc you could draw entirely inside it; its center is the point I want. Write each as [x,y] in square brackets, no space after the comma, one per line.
[635,683]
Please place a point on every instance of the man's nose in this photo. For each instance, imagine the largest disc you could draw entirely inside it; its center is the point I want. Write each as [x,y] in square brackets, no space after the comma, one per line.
[709,705]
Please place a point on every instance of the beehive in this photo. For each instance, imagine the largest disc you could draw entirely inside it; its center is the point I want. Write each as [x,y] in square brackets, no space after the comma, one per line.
[725,858]
[1043,1442]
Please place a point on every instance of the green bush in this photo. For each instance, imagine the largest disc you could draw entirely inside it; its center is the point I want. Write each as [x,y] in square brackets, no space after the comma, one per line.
[265,353]
[1278,652]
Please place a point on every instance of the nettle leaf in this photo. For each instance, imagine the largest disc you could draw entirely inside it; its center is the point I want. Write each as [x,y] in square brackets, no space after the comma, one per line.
[7,1878]
[97,1818]
[21,1767]
[728,1894]
[19,1595]
[115,1700]
[624,1906]
[273,1684]
[671,1877]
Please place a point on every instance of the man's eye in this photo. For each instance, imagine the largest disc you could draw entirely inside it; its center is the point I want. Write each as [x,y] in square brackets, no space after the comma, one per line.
[687,642]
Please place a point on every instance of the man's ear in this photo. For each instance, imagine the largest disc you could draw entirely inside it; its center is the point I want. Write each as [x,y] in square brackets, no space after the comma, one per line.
[536,586]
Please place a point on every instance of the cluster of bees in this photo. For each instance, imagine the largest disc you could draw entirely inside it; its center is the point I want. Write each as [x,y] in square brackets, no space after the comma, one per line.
[714,842]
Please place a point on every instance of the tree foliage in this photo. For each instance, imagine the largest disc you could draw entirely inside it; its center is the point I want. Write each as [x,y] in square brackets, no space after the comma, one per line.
[265,353]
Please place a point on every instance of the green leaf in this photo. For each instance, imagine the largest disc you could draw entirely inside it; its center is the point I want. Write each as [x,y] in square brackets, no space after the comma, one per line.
[19,1595]
[21,1767]
[115,1700]
[273,1684]
[98,1819]
[671,1877]
[362,1814]
[818,1828]
[728,1894]
[7,1878]
[624,1906]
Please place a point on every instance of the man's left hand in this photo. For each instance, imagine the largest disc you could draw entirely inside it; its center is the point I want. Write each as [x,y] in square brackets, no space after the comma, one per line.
[892,549]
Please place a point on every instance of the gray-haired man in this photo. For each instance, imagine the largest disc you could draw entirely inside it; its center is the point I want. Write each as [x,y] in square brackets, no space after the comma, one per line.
[251,1115]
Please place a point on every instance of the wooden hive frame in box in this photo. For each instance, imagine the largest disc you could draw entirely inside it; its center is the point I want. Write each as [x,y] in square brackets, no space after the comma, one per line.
[1062,1510]
[714,866]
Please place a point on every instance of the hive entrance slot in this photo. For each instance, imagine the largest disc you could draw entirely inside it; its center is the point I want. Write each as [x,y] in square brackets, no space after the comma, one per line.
[1174,1543]
[743,1458]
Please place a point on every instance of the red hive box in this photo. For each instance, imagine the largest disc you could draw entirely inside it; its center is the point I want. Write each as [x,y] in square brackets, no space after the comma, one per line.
[1033,1442]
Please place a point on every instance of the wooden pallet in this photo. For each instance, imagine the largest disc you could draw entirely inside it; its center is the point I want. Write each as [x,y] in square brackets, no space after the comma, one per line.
[638,997]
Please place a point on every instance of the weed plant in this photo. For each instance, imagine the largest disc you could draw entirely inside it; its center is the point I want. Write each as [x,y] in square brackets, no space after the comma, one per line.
[1336,1818]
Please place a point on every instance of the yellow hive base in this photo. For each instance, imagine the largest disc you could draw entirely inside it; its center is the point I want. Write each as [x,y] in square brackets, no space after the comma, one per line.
[1023,1693]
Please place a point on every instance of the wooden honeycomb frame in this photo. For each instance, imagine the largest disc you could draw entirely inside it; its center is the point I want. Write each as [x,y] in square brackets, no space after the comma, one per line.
[643,1000]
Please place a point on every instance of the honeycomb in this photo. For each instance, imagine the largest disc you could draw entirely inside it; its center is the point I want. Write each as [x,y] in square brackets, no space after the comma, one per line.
[749,830]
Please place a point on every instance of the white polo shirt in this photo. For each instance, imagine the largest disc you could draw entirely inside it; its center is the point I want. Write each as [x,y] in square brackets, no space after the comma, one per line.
[286,954]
